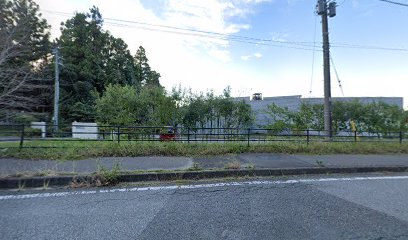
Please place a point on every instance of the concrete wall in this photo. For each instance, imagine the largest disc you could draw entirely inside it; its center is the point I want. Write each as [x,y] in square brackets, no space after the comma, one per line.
[260,106]
[84,130]
[366,100]
[293,104]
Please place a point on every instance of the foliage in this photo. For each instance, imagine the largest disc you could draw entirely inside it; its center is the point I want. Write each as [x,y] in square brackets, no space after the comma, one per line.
[108,177]
[24,51]
[24,118]
[308,117]
[280,118]
[124,105]
[91,59]
[144,74]
[217,111]
[94,59]
[85,150]
[376,117]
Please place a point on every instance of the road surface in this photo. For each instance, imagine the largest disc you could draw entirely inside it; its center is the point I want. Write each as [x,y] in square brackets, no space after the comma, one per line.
[319,207]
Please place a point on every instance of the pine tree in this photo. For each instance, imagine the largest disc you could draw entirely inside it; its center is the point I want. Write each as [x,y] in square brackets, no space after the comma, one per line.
[93,59]
[24,54]
[144,74]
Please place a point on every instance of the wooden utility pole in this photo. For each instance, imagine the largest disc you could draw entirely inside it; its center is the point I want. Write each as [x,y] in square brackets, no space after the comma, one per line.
[326,10]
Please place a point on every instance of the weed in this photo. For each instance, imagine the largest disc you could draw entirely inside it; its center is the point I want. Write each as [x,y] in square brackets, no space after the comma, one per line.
[46,184]
[19,174]
[320,163]
[232,165]
[21,185]
[103,177]
[195,167]
[83,150]
[250,166]
[109,177]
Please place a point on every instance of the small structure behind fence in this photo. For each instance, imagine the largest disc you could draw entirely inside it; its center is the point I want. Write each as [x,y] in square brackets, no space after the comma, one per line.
[82,130]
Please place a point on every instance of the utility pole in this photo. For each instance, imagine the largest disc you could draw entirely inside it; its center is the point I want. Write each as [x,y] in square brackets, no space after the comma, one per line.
[56,89]
[326,10]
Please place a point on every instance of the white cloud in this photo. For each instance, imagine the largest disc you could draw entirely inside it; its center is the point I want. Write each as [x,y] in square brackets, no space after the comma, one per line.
[180,56]
[245,58]
[248,57]
[257,55]
[222,55]
[279,37]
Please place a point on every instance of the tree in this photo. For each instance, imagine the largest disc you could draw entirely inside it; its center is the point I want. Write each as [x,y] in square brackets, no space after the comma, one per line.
[24,51]
[217,111]
[92,60]
[161,108]
[125,105]
[119,105]
[144,74]
[280,118]
[377,117]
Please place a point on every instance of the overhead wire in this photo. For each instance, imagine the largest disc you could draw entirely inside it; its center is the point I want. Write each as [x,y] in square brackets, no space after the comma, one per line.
[310,46]
[313,58]
[188,31]
[394,2]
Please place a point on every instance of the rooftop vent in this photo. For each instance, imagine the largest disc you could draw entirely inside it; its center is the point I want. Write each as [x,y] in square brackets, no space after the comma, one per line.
[256,97]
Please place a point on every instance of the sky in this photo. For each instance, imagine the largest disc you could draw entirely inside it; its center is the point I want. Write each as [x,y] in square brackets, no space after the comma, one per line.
[267,46]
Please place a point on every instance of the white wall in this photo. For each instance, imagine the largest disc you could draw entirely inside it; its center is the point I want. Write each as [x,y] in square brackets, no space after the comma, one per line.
[40,125]
[84,130]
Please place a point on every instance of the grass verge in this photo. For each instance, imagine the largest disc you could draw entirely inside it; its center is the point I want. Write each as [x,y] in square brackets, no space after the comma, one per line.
[58,150]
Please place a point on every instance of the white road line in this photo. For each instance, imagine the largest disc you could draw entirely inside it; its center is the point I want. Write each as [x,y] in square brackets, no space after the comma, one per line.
[210,185]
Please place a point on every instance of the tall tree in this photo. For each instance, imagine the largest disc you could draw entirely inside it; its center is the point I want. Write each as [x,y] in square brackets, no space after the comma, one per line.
[24,51]
[92,60]
[144,74]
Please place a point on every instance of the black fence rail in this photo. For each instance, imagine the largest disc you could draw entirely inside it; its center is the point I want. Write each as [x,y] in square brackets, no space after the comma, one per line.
[12,136]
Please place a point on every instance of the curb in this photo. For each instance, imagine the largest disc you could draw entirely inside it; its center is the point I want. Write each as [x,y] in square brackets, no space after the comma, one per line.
[32,182]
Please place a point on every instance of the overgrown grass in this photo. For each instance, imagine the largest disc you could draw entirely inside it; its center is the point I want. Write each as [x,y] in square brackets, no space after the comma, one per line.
[82,150]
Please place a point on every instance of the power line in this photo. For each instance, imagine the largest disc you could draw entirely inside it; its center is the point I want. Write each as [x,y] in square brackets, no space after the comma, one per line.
[313,58]
[396,3]
[310,46]
[117,22]
[264,43]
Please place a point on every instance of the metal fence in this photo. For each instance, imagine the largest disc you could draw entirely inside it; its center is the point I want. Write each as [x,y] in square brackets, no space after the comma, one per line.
[18,136]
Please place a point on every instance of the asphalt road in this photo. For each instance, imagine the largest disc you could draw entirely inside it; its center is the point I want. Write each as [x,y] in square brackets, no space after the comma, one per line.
[325,207]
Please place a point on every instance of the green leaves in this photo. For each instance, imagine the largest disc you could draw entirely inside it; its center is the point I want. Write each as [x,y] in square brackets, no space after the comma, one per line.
[144,74]
[93,60]
[124,105]
[376,117]
[218,111]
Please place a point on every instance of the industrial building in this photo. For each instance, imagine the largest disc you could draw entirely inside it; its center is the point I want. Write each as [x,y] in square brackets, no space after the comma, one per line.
[259,103]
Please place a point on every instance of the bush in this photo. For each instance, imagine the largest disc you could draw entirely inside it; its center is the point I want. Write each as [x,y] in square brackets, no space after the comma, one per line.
[31,132]
[24,118]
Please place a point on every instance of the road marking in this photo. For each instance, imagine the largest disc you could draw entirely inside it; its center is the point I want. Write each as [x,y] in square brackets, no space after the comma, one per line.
[209,185]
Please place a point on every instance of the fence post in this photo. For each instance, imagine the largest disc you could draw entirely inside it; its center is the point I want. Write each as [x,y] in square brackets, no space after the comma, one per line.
[22,136]
[307,136]
[400,137]
[249,135]
[355,136]
[188,135]
[118,134]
